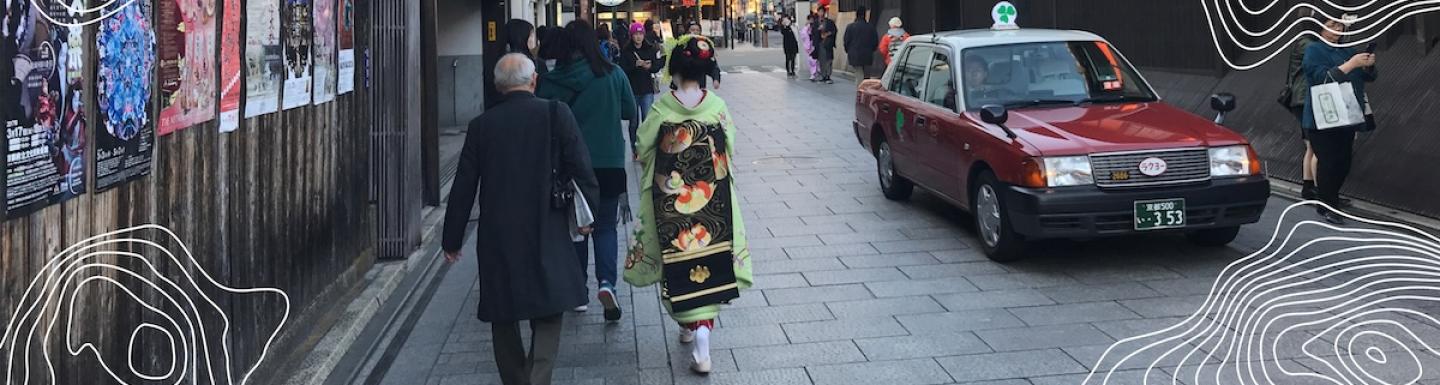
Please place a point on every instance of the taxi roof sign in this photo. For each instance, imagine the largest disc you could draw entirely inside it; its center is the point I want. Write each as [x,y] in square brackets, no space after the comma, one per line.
[1004,15]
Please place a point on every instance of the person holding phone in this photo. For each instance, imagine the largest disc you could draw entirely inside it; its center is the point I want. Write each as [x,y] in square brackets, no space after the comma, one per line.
[1328,63]
[642,60]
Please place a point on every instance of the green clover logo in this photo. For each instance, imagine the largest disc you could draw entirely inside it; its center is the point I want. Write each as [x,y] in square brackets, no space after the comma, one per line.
[1006,11]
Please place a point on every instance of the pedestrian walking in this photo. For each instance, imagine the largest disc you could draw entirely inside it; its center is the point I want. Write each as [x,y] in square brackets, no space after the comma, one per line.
[861,40]
[893,39]
[642,61]
[1296,92]
[807,42]
[692,30]
[1326,63]
[599,94]
[521,37]
[826,48]
[520,148]
[609,48]
[691,239]
[792,46]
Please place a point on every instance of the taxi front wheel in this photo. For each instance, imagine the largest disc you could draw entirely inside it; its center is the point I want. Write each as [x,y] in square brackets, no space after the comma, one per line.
[992,221]
[895,187]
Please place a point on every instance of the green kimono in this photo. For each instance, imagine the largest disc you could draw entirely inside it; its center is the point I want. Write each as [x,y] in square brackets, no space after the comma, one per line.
[698,210]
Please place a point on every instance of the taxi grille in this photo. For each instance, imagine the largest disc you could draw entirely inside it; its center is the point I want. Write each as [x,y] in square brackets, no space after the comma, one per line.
[1123,169]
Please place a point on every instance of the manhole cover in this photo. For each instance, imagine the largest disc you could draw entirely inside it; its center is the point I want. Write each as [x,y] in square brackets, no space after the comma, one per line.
[785,159]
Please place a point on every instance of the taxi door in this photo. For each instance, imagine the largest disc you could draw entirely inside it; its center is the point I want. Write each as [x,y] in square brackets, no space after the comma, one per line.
[937,122]
[896,113]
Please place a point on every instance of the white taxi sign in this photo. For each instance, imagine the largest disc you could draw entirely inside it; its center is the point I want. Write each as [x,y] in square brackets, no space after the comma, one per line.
[1004,15]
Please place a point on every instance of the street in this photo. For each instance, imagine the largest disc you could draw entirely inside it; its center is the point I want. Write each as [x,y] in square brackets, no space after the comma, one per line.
[852,288]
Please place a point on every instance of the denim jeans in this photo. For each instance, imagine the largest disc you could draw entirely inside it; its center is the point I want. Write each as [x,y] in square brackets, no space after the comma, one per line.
[643,102]
[605,238]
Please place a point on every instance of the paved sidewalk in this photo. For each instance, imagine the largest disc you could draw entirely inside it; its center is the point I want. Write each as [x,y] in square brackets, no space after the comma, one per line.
[852,288]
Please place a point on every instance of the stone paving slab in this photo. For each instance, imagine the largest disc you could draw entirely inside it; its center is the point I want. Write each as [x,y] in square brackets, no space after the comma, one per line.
[852,288]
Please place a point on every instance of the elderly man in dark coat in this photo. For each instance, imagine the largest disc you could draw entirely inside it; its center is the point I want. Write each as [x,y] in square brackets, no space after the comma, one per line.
[523,244]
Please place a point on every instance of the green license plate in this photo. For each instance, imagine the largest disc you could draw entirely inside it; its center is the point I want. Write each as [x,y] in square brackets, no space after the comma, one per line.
[1159,214]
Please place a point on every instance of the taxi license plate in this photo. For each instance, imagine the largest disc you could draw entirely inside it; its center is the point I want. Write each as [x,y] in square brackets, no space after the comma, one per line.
[1159,214]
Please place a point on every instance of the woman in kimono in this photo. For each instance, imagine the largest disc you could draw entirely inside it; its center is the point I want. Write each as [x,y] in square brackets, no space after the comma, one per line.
[691,239]
[809,45]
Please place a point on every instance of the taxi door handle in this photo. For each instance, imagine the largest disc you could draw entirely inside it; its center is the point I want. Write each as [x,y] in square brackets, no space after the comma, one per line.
[884,107]
[920,120]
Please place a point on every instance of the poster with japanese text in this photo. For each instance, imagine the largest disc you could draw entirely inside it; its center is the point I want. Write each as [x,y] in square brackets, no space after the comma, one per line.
[346,58]
[263,65]
[41,100]
[126,48]
[324,51]
[185,41]
[230,66]
[298,58]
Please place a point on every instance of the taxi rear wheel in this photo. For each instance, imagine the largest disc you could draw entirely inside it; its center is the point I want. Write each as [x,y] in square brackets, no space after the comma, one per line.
[992,222]
[895,187]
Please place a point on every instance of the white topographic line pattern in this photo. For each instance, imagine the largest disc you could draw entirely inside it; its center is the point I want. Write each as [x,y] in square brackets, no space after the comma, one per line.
[1352,305]
[199,355]
[1372,18]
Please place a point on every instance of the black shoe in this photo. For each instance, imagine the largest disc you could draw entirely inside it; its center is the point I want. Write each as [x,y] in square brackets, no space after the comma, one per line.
[1330,216]
[607,300]
[1307,191]
[828,81]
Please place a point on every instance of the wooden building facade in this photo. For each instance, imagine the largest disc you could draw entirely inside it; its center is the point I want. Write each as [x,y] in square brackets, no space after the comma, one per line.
[298,200]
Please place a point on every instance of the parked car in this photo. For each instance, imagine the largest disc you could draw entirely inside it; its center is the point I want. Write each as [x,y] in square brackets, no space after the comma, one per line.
[1044,134]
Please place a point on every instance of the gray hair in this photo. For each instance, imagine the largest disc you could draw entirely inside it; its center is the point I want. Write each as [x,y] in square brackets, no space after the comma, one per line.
[514,71]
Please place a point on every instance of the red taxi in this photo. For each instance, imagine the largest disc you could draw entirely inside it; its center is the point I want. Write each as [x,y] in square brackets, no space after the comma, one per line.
[1046,134]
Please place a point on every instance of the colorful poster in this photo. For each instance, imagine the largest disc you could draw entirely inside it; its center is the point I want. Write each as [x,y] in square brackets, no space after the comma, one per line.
[346,58]
[185,39]
[230,66]
[298,31]
[41,101]
[126,47]
[324,51]
[263,65]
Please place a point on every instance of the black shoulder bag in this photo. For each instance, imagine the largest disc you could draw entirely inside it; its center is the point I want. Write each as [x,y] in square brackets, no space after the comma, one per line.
[561,194]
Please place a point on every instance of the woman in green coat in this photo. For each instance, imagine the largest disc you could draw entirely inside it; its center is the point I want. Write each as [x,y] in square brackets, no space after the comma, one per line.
[691,239]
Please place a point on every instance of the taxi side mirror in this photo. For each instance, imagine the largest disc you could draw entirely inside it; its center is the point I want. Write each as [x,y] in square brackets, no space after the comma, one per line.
[1222,102]
[997,114]
[994,114]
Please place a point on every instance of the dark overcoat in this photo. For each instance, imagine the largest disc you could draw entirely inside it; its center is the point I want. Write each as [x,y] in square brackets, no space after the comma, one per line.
[527,262]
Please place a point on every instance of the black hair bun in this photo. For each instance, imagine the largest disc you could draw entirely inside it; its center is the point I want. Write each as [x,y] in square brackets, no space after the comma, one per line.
[693,60]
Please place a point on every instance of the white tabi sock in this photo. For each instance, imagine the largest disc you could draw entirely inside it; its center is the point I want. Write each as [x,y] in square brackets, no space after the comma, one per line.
[702,344]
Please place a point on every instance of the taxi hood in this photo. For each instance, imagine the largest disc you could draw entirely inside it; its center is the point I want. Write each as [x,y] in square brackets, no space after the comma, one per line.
[1100,128]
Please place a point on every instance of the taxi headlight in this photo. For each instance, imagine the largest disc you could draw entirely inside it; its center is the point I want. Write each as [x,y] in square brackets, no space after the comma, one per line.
[1230,161]
[1068,171]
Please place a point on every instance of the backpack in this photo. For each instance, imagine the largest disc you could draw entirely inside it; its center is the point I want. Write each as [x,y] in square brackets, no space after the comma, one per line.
[895,43]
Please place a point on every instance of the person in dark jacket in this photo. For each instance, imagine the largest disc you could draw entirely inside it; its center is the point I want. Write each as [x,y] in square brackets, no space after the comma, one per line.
[861,40]
[792,45]
[1299,90]
[522,246]
[1325,63]
[521,37]
[599,94]
[825,49]
[641,61]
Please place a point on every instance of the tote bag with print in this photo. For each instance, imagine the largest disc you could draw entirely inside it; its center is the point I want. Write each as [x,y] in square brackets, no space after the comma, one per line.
[1334,105]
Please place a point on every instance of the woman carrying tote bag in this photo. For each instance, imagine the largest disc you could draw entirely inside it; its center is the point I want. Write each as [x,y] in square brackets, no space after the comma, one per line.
[1330,69]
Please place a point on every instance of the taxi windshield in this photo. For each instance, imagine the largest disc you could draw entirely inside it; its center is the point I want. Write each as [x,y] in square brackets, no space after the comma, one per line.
[1052,73]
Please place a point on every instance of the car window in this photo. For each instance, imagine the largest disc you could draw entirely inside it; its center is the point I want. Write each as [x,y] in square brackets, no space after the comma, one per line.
[940,84]
[909,73]
[1048,73]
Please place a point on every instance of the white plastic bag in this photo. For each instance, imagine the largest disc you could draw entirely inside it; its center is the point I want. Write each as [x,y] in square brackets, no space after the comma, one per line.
[1335,105]
[580,215]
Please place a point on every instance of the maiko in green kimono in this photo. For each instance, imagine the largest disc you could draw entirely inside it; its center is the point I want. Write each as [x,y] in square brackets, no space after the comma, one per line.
[691,239]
